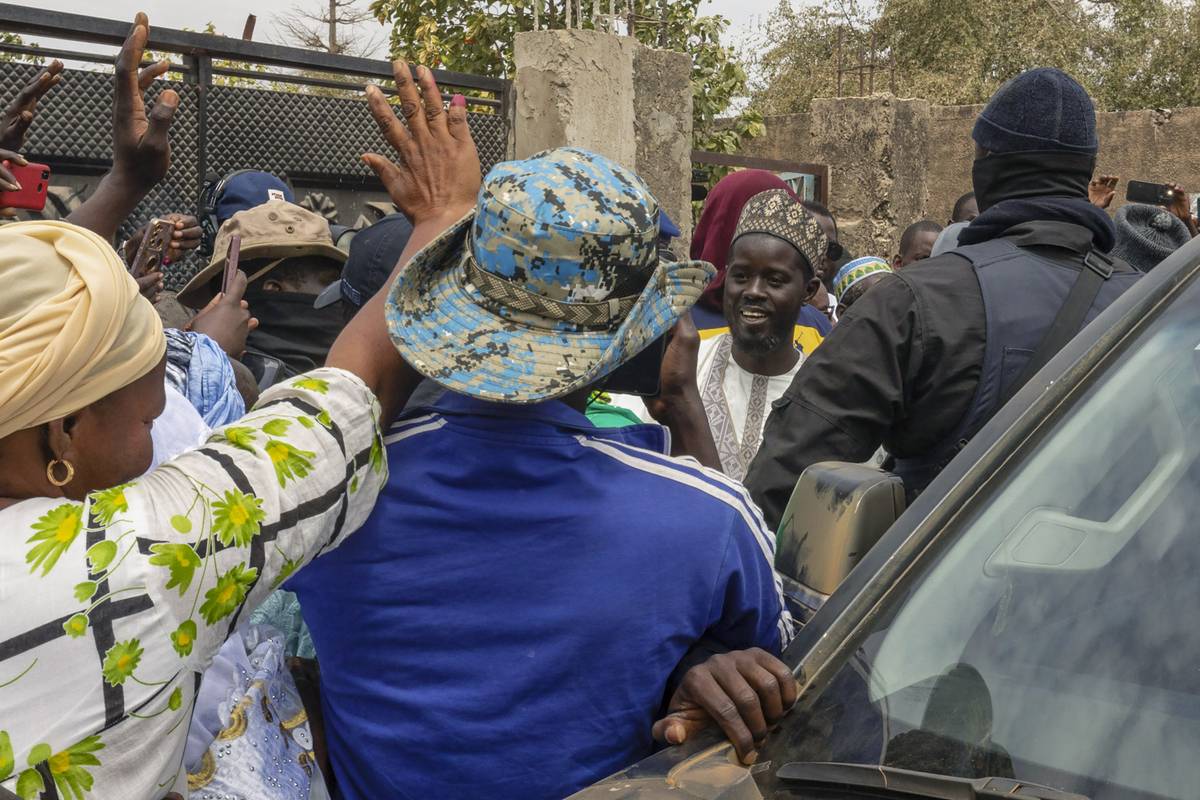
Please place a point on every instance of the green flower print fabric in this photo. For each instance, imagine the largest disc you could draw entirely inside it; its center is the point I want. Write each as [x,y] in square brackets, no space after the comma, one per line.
[114,605]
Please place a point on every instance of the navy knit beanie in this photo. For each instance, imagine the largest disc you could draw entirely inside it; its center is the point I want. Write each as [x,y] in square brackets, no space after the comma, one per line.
[1042,109]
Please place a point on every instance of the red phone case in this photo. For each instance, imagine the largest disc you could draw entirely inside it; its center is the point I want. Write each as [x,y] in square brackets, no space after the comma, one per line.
[34,180]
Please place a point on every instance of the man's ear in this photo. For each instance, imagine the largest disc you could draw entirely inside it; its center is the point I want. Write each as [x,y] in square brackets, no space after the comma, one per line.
[811,289]
[896,259]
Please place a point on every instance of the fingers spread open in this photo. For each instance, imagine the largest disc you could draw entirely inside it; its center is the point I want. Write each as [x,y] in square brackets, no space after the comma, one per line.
[47,79]
[410,99]
[456,118]
[163,114]
[382,167]
[151,73]
[431,96]
[126,65]
[392,129]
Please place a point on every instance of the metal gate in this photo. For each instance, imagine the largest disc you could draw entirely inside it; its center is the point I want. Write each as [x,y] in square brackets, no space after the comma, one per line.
[314,140]
[810,181]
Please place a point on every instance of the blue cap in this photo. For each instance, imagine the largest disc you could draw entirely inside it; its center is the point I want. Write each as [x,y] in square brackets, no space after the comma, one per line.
[374,252]
[249,189]
[667,229]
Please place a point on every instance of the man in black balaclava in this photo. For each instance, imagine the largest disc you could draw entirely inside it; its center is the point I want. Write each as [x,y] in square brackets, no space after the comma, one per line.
[923,360]
[289,258]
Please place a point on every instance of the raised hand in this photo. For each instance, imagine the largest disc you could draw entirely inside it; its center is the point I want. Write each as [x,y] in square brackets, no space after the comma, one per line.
[438,174]
[743,692]
[1101,190]
[678,405]
[185,238]
[141,147]
[16,119]
[1181,206]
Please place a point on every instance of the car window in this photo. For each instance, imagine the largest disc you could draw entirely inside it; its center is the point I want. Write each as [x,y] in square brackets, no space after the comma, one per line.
[1052,639]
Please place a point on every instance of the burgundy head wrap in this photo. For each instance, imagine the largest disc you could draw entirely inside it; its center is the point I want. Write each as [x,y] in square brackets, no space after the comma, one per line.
[714,233]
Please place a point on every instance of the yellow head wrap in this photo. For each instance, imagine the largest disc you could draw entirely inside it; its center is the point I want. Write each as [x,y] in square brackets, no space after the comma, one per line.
[73,328]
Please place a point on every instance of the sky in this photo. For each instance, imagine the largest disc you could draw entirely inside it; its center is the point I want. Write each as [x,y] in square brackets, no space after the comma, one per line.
[230,15]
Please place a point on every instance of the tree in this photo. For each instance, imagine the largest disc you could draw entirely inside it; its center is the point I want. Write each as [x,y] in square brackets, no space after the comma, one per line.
[1128,53]
[476,36]
[14,39]
[329,25]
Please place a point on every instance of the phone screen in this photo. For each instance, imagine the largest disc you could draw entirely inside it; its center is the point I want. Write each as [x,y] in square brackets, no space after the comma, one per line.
[1155,194]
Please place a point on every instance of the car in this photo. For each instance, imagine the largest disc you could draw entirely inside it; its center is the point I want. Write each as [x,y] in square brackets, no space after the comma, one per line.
[1028,626]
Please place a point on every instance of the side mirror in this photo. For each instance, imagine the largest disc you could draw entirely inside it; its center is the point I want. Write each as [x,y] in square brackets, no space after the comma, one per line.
[835,515]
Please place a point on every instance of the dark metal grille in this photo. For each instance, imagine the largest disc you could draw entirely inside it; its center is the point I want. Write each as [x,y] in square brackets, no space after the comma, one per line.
[314,140]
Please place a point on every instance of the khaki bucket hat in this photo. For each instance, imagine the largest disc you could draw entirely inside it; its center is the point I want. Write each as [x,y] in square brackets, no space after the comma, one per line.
[277,230]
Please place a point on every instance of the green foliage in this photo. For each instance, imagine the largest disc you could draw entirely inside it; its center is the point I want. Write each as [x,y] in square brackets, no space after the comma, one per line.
[476,36]
[12,38]
[1128,53]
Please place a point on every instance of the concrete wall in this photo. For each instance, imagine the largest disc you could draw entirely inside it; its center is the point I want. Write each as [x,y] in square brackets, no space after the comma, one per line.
[614,96]
[914,160]
[876,149]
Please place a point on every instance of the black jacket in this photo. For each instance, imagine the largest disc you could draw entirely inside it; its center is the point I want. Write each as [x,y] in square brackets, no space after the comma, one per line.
[899,370]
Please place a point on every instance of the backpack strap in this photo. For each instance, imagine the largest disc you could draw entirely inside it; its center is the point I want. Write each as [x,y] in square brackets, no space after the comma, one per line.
[1097,268]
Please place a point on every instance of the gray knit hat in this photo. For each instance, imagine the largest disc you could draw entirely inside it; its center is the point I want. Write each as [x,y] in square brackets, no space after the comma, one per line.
[1148,234]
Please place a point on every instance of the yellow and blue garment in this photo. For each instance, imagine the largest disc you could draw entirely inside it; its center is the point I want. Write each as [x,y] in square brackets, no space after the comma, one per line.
[811,327]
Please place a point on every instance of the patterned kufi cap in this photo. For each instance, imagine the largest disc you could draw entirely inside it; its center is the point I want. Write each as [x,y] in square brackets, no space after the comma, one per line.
[854,271]
[777,213]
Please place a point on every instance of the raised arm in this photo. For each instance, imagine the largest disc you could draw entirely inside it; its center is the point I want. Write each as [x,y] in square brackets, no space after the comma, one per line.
[678,405]
[434,183]
[18,116]
[141,147]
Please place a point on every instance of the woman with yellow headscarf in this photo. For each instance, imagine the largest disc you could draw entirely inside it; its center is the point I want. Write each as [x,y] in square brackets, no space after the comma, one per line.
[118,587]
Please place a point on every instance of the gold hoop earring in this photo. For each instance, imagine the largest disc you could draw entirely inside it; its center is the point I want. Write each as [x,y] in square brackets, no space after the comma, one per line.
[56,481]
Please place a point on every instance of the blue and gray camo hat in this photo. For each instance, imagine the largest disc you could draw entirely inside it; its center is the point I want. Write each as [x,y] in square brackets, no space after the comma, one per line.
[548,285]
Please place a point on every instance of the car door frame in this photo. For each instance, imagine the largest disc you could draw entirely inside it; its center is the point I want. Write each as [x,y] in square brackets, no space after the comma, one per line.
[927,526]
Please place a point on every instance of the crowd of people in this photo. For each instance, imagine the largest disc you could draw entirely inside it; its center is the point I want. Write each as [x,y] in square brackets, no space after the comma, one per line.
[374,515]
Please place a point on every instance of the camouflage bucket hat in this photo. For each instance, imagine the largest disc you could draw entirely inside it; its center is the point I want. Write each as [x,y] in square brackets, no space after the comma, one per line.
[548,285]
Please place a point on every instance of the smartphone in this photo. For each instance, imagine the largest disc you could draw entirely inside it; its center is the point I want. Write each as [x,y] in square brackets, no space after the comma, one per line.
[34,180]
[231,263]
[1155,194]
[153,247]
[640,375]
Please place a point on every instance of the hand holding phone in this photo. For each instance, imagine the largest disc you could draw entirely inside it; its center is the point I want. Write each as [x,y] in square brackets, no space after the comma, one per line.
[22,184]
[642,374]
[1155,194]
[149,256]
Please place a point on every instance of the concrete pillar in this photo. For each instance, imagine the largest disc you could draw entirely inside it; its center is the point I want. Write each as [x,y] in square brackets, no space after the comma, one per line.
[878,150]
[611,95]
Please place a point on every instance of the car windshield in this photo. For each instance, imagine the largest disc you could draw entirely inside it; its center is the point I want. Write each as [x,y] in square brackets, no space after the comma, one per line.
[1052,638]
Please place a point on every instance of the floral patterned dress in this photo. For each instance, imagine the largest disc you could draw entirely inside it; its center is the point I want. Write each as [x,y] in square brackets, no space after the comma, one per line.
[110,609]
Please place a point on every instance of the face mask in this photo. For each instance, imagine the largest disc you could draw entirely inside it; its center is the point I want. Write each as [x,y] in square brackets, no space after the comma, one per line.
[290,329]
[1010,176]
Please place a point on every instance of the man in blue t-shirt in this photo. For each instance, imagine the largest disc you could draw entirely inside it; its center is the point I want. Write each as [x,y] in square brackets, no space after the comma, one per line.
[507,623]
